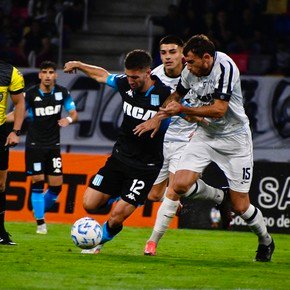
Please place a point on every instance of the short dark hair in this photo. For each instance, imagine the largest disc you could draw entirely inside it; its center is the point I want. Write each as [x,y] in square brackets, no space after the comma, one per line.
[138,59]
[48,64]
[169,39]
[199,45]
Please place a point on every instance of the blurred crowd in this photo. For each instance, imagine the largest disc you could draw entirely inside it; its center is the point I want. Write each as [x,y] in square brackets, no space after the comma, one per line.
[29,26]
[254,32]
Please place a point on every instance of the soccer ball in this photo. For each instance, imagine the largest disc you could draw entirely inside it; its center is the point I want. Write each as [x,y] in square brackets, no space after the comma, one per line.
[86,233]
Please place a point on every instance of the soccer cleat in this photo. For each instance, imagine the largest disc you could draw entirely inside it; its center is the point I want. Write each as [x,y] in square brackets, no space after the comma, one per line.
[41,229]
[150,249]
[225,209]
[95,250]
[5,239]
[264,253]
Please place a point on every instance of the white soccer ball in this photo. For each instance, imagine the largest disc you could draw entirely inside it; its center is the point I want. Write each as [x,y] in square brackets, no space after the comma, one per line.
[86,233]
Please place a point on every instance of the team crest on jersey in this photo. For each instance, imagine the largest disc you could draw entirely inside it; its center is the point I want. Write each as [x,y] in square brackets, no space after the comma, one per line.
[1,96]
[155,101]
[37,166]
[58,96]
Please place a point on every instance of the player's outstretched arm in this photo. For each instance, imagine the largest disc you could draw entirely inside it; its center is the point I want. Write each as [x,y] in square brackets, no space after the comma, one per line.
[95,72]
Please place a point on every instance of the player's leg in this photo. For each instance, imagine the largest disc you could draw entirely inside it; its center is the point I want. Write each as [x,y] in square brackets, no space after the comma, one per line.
[4,236]
[34,162]
[4,156]
[53,171]
[159,188]
[37,202]
[165,214]
[254,218]
[238,167]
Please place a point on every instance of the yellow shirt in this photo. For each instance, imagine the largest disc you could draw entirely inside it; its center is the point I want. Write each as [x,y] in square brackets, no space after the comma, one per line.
[11,82]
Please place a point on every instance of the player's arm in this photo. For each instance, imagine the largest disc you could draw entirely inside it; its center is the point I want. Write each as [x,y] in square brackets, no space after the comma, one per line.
[70,107]
[216,110]
[95,72]
[16,93]
[18,116]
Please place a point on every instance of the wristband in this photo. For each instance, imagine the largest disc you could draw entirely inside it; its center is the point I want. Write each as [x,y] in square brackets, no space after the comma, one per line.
[70,120]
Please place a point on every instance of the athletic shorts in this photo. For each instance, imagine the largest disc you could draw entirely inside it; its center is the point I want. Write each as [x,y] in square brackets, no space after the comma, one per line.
[171,152]
[233,154]
[130,183]
[4,151]
[43,161]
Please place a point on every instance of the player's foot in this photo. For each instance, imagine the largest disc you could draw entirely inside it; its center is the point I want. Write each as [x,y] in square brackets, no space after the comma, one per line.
[5,239]
[41,229]
[264,253]
[225,209]
[150,249]
[95,250]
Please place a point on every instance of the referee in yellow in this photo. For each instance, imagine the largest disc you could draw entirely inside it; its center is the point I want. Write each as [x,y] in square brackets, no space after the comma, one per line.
[11,83]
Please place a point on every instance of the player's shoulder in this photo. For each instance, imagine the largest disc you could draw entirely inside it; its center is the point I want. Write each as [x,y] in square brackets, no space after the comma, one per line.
[159,84]
[224,60]
[158,71]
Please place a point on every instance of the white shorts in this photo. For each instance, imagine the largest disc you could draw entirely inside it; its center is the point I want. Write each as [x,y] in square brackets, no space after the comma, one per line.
[171,152]
[233,154]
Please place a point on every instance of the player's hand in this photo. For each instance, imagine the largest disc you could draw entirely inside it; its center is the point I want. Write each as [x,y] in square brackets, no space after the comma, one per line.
[151,124]
[64,122]
[173,108]
[12,140]
[70,67]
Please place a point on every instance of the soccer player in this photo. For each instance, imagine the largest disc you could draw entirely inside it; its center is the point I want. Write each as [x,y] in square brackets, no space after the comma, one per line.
[176,138]
[134,165]
[44,103]
[11,82]
[214,79]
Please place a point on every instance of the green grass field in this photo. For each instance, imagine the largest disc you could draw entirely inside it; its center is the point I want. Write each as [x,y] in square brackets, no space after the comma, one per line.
[187,259]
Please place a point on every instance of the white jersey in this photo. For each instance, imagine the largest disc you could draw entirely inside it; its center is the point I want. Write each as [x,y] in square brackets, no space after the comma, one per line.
[223,82]
[179,130]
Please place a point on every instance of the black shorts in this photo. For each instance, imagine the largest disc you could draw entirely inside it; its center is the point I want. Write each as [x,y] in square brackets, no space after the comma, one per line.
[130,183]
[4,151]
[43,161]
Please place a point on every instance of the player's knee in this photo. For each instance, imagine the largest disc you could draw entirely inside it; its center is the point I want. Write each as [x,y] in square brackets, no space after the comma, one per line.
[180,188]
[154,196]
[88,205]
[239,208]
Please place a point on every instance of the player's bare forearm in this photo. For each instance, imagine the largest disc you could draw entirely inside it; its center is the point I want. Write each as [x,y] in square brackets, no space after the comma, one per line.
[216,110]
[95,72]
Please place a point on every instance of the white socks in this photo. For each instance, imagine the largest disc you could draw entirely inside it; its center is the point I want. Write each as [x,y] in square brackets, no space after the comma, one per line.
[165,214]
[203,191]
[254,218]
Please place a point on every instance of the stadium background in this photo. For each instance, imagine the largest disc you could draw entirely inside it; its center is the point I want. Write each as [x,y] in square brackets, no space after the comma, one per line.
[92,37]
